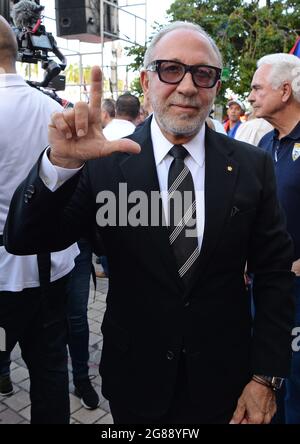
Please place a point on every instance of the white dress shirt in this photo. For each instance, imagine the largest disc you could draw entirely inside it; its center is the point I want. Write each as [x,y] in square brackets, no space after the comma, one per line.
[118,128]
[195,163]
[53,176]
[25,113]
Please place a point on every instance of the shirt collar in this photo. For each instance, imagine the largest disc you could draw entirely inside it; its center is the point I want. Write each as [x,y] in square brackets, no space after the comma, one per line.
[294,134]
[120,122]
[162,146]
[7,80]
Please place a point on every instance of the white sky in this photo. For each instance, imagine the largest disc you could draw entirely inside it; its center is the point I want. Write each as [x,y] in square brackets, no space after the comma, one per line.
[157,10]
[156,13]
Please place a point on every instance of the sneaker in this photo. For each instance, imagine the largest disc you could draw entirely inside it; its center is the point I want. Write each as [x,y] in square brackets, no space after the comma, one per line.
[6,387]
[87,394]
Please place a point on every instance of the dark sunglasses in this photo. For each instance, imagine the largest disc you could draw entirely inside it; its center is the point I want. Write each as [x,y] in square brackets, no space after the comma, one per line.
[204,76]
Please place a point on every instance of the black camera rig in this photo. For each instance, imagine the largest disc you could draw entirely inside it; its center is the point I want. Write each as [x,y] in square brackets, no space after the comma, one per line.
[35,43]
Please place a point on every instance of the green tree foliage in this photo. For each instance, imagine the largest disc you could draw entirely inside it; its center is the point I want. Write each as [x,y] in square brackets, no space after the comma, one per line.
[136,87]
[243,31]
[138,53]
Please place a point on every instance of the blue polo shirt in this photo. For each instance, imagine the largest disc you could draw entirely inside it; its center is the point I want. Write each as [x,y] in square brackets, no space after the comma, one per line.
[286,155]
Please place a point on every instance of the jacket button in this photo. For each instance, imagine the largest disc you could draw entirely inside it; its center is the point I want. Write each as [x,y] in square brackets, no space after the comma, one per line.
[170,356]
[31,190]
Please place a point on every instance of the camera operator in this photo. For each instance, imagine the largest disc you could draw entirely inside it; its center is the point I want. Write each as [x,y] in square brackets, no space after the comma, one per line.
[34,42]
[32,288]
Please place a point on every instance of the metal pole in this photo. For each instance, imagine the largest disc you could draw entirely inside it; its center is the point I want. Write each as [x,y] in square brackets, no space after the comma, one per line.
[146,24]
[117,72]
[80,74]
[102,31]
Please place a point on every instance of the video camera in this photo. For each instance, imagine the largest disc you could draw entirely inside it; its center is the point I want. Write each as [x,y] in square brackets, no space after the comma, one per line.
[35,43]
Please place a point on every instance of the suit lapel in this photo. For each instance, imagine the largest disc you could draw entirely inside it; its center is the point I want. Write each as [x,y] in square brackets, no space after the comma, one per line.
[221,173]
[140,174]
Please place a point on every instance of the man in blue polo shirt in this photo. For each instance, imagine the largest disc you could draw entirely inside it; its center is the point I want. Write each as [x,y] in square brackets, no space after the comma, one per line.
[275,96]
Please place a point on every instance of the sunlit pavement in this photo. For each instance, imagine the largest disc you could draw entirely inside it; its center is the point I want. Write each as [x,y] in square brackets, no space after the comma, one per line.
[16,409]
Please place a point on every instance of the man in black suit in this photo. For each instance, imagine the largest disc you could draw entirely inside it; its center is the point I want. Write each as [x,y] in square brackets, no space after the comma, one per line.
[179,342]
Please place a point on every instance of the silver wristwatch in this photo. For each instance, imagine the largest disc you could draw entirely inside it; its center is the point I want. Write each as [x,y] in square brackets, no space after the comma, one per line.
[275,382]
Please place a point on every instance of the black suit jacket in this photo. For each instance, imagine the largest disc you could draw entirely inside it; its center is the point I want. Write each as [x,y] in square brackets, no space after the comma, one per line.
[150,317]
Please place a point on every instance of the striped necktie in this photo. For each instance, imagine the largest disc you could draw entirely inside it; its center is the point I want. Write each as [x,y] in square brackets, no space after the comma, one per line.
[182,214]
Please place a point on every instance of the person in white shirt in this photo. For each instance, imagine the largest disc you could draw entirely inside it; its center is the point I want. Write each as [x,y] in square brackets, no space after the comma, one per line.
[215,125]
[253,130]
[108,112]
[127,112]
[29,314]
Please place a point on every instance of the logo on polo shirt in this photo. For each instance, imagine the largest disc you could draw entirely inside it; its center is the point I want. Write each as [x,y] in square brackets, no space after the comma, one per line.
[296,152]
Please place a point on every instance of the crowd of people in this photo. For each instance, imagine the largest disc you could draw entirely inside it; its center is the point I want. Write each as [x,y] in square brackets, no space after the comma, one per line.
[201,308]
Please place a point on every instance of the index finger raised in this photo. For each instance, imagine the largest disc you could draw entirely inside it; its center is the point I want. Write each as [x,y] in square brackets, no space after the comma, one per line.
[95,94]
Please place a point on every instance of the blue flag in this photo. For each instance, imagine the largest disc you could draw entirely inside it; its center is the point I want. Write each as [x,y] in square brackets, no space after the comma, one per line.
[296,48]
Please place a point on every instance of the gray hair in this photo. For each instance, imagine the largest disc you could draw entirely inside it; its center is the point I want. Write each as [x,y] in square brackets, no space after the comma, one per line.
[285,68]
[109,106]
[179,25]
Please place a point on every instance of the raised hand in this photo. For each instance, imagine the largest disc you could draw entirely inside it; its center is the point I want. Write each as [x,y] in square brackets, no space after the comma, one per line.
[75,135]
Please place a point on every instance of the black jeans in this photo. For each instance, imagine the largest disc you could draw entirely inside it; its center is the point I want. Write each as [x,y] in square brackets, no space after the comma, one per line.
[39,323]
[78,291]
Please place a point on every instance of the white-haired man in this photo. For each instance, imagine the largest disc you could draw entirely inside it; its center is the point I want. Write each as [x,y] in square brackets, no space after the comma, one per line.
[275,96]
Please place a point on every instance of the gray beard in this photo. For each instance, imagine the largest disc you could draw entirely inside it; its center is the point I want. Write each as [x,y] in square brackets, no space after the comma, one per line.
[187,128]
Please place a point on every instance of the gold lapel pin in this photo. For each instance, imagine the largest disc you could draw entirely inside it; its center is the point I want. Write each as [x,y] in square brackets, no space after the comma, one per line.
[230,169]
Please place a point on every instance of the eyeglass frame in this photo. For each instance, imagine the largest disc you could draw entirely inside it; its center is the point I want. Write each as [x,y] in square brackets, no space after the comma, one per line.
[187,68]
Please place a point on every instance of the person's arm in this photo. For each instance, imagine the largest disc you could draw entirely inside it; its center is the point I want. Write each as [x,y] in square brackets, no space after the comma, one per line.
[41,219]
[75,135]
[53,176]
[270,259]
